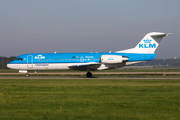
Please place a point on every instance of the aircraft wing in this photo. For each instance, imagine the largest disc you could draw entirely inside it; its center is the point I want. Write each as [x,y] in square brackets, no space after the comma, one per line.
[85,66]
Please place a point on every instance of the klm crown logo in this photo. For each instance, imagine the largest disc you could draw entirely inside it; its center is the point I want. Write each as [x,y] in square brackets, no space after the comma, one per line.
[110,58]
[147,44]
[39,57]
[147,41]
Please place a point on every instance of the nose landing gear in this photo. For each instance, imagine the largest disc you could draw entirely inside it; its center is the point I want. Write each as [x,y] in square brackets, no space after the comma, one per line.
[27,75]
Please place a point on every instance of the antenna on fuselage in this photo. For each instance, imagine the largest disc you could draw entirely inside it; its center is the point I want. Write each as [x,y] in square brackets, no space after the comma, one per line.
[55,52]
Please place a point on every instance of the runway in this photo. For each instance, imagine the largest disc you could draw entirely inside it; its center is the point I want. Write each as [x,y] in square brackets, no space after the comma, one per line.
[56,75]
[97,73]
[94,78]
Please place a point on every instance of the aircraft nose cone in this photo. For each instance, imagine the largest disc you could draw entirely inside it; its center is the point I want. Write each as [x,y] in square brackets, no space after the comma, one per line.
[9,65]
[13,66]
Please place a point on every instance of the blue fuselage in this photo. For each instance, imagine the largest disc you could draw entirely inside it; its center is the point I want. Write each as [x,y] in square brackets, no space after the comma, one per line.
[37,58]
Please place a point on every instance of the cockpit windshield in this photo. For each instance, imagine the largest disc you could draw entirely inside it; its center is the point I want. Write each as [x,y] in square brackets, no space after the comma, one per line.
[19,59]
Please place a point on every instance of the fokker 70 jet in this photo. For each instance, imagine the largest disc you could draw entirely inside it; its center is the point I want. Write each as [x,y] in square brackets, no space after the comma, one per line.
[143,51]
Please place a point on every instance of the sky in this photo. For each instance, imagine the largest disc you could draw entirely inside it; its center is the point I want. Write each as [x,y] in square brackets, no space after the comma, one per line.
[45,26]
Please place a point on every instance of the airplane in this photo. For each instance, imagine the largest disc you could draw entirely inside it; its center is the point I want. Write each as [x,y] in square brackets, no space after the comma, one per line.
[143,51]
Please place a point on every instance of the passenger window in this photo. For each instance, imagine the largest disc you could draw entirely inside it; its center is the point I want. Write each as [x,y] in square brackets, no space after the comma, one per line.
[77,59]
[49,59]
[46,59]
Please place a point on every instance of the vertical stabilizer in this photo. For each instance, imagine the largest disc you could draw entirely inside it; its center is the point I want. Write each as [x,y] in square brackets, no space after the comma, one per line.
[148,44]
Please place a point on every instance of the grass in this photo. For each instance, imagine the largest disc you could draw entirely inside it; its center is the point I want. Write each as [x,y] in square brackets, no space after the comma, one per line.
[89,99]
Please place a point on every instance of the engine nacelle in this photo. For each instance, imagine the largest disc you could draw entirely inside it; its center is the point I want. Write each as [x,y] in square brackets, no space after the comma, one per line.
[111,59]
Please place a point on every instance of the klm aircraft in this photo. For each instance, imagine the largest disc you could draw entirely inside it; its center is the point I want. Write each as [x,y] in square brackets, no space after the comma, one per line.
[144,51]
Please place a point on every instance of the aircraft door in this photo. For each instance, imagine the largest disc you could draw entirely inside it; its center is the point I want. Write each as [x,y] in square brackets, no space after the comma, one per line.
[30,61]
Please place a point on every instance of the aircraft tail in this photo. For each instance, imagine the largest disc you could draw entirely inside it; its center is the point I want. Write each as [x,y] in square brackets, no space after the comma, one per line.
[148,44]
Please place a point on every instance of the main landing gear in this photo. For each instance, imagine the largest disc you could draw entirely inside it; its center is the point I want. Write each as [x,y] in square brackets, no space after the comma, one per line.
[89,74]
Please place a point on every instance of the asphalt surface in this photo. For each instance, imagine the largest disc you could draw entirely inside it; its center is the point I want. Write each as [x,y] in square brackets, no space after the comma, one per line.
[93,78]
[94,73]
[97,73]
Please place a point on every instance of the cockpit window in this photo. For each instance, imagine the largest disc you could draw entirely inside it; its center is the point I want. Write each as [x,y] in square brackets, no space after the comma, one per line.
[20,59]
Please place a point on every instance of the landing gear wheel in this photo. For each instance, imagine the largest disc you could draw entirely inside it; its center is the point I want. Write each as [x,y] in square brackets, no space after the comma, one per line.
[27,75]
[89,74]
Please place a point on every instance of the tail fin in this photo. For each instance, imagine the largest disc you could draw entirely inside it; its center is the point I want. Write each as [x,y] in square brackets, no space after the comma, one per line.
[148,44]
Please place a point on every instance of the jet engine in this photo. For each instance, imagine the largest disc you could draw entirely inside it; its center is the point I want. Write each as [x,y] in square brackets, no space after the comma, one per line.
[113,59]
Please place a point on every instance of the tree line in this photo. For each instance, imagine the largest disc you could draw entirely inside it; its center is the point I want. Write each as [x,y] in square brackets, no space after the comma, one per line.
[161,62]
[157,62]
[5,60]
